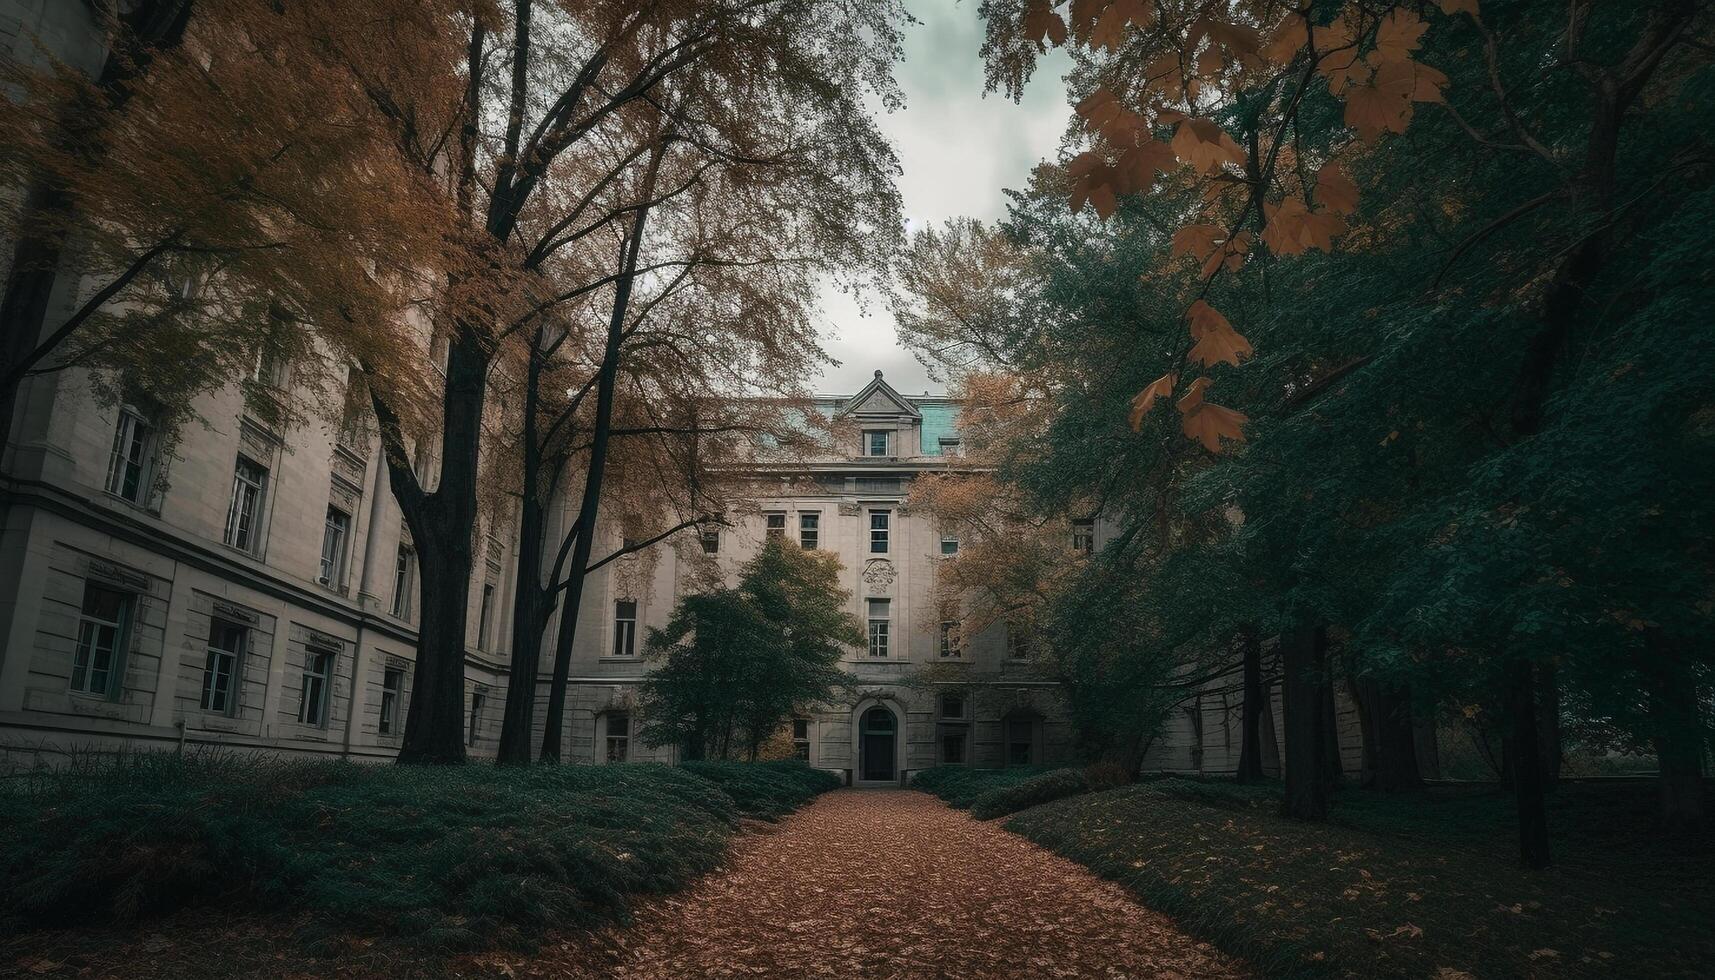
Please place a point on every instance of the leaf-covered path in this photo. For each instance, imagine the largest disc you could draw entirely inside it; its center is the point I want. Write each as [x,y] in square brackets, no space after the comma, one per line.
[868,883]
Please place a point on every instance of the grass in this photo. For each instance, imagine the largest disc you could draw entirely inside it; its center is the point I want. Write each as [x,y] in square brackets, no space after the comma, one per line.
[456,858]
[1423,885]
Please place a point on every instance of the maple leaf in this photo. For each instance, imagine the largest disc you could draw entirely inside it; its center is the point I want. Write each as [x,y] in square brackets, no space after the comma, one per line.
[1198,241]
[1217,341]
[1398,34]
[1238,39]
[1103,200]
[1163,75]
[1097,108]
[1286,40]
[1137,166]
[1042,24]
[1209,423]
[1193,395]
[1231,255]
[1203,144]
[1145,400]
[1335,190]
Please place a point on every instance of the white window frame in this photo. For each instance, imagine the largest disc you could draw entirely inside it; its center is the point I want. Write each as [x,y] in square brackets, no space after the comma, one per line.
[336,536]
[404,580]
[244,523]
[880,534]
[317,680]
[869,437]
[484,612]
[801,742]
[1084,536]
[951,644]
[100,641]
[810,530]
[133,448]
[624,630]
[392,694]
[223,661]
[774,524]
[949,545]
[710,538]
[473,727]
[617,748]
[880,627]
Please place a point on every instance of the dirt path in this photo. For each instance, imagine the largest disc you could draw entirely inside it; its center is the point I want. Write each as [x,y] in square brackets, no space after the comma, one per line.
[891,883]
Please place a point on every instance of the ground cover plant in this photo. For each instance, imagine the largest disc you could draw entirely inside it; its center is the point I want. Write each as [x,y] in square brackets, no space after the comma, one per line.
[1402,885]
[962,786]
[455,857]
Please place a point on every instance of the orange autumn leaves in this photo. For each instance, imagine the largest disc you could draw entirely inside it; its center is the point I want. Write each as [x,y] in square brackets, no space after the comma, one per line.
[1207,52]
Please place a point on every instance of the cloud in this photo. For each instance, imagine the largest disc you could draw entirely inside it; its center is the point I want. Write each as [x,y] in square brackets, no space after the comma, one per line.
[959,150]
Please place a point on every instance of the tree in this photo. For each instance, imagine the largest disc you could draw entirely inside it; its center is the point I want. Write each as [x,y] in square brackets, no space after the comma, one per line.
[733,664]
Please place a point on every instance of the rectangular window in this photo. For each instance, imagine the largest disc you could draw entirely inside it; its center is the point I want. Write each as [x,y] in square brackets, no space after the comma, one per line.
[949,545]
[877,443]
[810,531]
[482,616]
[313,696]
[878,627]
[774,525]
[879,525]
[354,423]
[953,707]
[951,649]
[801,738]
[404,580]
[474,729]
[618,737]
[128,466]
[1017,643]
[334,533]
[226,646]
[392,686]
[711,538]
[102,625]
[949,446]
[625,628]
[244,516]
[953,738]
[1020,742]
[1084,536]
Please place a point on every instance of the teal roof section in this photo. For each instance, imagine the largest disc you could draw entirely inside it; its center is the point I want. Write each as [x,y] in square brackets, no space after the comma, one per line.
[939,420]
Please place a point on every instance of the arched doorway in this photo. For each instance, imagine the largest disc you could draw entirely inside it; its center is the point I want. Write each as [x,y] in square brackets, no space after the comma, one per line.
[878,745]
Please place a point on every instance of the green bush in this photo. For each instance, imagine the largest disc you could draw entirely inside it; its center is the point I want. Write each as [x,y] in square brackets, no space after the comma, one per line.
[1055,785]
[960,786]
[457,856]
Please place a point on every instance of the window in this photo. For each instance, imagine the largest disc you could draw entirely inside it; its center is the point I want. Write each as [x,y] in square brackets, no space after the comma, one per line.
[313,696]
[774,525]
[333,547]
[953,707]
[949,445]
[625,628]
[270,369]
[618,737]
[1020,741]
[102,624]
[133,449]
[711,538]
[949,545]
[244,516]
[482,616]
[1084,536]
[878,627]
[801,738]
[877,443]
[226,646]
[879,521]
[404,575]
[810,531]
[354,422]
[392,686]
[1017,643]
[474,729]
[953,738]
[950,646]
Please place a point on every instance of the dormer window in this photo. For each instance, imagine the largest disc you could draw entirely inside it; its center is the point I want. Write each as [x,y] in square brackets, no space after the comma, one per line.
[878,442]
[949,446]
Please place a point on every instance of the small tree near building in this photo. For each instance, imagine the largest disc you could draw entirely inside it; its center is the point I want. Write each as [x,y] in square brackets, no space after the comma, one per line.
[732,665]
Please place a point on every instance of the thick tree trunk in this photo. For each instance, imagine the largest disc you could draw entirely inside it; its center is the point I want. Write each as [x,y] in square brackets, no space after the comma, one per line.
[1392,760]
[1332,767]
[1250,715]
[148,26]
[1548,723]
[1362,694]
[434,723]
[1676,716]
[1428,747]
[1525,760]
[528,600]
[1304,663]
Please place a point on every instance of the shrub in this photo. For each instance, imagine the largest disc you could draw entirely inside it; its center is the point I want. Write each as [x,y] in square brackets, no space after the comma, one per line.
[456,856]
[960,786]
[1049,786]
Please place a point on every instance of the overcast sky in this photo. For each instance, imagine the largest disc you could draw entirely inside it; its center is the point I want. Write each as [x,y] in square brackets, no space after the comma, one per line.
[958,150]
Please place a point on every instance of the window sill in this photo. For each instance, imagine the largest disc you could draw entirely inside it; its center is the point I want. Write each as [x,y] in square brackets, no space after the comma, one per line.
[620,660]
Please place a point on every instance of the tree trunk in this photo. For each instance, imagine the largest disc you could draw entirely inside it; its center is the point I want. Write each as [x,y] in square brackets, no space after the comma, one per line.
[1332,767]
[434,723]
[1391,737]
[1250,723]
[1525,760]
[1427,747]
[1304,663]
[1676,718]
[589,506]
[46,216]
[529,603]
[1548,723]
[1362,694]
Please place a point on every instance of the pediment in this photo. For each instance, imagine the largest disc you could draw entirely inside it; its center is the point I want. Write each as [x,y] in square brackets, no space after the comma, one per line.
[879,398]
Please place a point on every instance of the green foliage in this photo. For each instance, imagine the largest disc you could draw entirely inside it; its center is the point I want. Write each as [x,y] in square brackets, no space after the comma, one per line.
[1055,785]
[961,786]
[454,856]
[1400,885]
[731,665]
